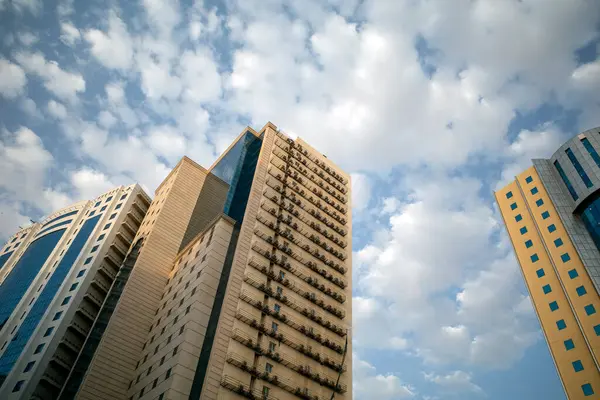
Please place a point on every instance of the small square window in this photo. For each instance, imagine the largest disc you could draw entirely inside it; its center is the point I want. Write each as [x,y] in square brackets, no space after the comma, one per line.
[553,306]
[112,216]
[528,243]
[65,300]
[57,316]
[39,349]
[539,202]
[103,208]
[534,190]
[523,230]
[18,386]
[551,228]
[29,366]
[573,273]
[534,258]
[590,309]
[561,324]
[81,273]
[569,345]
[581,291]
[518,217]
[558,242]
[88,260]
[101,237]
[118,206]
[73,287]
[587,389]
[513,206]
[545,215]
[49,331]
[577,366]
[509,195]
[540,272]
[565,257]
[529,179]
[547,289]
[597,330]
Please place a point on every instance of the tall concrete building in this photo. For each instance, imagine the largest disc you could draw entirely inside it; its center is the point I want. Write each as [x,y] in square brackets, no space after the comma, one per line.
[241,286]
[552,215]
[55,275]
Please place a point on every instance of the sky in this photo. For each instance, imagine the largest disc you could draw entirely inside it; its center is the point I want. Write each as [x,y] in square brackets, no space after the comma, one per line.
[431,105]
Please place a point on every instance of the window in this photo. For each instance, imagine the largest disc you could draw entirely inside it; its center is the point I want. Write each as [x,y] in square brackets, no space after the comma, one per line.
[587,389]
[534,190]
[176,319]
[569,345]
[551,228]
[203,258]
[588,146]
[57,316]
[539,202]
[566,180]
[565,257]
[181,329]
[268,368]
[162,360]
[168,374]
[142,392]
[581,291]
[534,258]
[523,230]
[118,206]
[112,216]
[156,349]
[509,195]
[49,331]
[540,272]
[92,213]
[545,215]
[39,349]
[277,308]
[518,218]
[161,397]
[590,309]
[529,179]
[573,274]
[582,174]
[560,324]
[106,227]
[101,237]
[18,386]
[103,208]
[81,273]
[88,260]
[274,326]
[265,392]
[109,199]
[272,347]
[528,243]
[558,242]
[577,366]
[94,249]
[149,370]
[97,204]
[281,274]
[154,383]
[66,300]
[547,289]
[175,350]
[187,310]
[122,197]
[73,287]
[553,306]
[29,366]
[513,206]
[597,330]
[279,290]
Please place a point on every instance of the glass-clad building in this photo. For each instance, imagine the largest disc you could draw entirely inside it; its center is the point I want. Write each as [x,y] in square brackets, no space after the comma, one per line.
[55,275]
[552,214]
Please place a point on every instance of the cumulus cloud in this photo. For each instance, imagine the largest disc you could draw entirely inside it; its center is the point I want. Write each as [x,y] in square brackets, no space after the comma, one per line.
[368,384]
[12,79]
[114,48]
[455,383]
[56,109]
[69,34]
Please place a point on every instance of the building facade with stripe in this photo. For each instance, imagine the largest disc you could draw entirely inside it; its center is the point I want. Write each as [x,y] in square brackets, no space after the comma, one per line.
[552,214]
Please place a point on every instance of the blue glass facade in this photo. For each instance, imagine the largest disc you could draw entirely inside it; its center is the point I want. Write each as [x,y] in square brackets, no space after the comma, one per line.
[584,177]
[50,227]
[60,217]
[566,180]
[237,168]
[24,272]
[591,218]
[593,153]
[4,258]
[39,308]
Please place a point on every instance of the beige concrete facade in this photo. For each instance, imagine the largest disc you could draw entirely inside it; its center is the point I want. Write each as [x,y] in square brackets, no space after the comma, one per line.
[561,290]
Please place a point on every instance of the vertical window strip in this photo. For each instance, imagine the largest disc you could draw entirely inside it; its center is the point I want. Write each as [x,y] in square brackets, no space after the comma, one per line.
[584,177]
[566,181]
[590,149]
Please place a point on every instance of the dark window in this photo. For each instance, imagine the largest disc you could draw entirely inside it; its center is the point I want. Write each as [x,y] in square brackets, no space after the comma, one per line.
[569,345]
[49,331]
[57,316]
[113,216]
[529,179]
[566,180]
[539,202]
[18,386]
[534,190]
[81,273]
[584,177]
[73,287]
[29,366]
[168,374]
[118,206]
[65,300]
[39,349]
[509,195]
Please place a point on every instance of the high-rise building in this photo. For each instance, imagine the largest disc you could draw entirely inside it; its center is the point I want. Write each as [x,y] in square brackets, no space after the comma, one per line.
[552,215]
[241,287]
[55,276]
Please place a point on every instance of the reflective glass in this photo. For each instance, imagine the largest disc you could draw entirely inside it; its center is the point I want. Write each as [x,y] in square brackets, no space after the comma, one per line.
[584,177]
[4,258]
[62,223]
[60,217]
[593,153]
[591,219]
[566,180]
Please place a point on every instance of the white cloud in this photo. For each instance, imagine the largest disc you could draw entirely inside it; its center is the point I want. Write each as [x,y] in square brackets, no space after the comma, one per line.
[89,183]
[65,85]
[114,48]
[69,34]
[27,38]
[12,79]
[457,382]
[368,384]
[56,109]
[32,6]
[166,142]
[30,108]
[361,191]
[106,119]
[11,215]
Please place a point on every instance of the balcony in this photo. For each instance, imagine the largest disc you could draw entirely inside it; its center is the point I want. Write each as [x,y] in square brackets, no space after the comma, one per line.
[244,390]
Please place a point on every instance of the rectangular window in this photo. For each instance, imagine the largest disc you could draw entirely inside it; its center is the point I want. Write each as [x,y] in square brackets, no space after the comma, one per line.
[272,347]
[573,274]
[49,331]
[18,386]
[565,257]
[523,230]
[539,202]
[566,181]
[122,197]
[547,289]
[545,215]
[97,204]
[29,366]
[268,368]
[534,190]
[551,228]
[529,179]
[581,291]
[534,258]
[94,249]
[39,349]
[274,326]
[590,149]
[168,374]
[569,345]
[513,206]
[106,227]
[103,208]
[118,206]
[558,242]
[73,287]
[101,237]
[582,174]
[540,272]
[528,243]
[590,309]
[88,260]
[92,213]
[553,306]
[109,199]
[587,389]
[57,316]
[561,324]
[187,310]
[277,308]
[597,330]
[66,300]
[162,360]
[175,350]
[509,195]
[577,366]
[112,216]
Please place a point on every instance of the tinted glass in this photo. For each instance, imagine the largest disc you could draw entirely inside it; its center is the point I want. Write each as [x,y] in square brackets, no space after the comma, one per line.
[4,258]
[566,180]
[584,177]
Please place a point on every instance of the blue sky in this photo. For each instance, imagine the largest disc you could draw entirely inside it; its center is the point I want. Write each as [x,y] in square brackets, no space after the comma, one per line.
[430,105]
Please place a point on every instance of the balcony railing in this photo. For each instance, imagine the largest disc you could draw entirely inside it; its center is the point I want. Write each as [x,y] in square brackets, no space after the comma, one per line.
[244,390]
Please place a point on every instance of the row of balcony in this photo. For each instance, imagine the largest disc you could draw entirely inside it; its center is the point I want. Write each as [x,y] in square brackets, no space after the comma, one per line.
[240,388]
